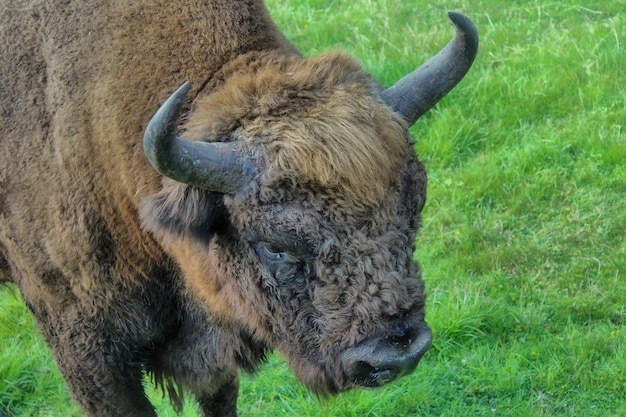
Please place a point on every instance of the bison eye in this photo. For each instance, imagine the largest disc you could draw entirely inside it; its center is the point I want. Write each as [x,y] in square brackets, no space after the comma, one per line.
[279,262]
[273,254]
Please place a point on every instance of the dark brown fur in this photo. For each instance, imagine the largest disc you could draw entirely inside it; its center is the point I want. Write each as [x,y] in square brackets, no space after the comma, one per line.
[181,292]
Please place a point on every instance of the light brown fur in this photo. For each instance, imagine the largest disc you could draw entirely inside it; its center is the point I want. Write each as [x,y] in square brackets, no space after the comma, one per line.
[127,272]
[283,104]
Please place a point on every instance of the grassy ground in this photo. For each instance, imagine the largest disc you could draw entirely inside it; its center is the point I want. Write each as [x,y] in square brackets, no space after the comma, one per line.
[523,244]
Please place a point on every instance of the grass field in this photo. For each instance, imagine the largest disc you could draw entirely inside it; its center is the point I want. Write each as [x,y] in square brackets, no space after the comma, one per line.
[523,244]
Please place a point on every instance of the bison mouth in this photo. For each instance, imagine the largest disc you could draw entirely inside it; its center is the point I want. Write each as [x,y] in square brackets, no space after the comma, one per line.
[383,358]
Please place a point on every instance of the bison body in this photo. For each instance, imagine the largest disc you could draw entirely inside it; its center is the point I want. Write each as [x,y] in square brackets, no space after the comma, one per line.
[283,217]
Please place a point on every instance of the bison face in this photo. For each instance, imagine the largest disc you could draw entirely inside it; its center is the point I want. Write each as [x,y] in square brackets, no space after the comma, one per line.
[313,252]
[296,204]
[343,299]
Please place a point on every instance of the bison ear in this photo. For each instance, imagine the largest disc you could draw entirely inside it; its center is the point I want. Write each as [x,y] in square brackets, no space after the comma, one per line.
[181,210]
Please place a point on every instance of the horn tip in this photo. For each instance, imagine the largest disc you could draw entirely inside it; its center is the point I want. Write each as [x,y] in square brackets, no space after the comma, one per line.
[183,89]
[465,25]
[178,97]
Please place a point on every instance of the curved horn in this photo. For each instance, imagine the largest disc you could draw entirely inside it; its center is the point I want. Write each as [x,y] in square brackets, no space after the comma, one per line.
[420,90]
[216,166]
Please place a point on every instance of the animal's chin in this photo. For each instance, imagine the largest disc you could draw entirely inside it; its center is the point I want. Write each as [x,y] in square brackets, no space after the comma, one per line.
[319,380]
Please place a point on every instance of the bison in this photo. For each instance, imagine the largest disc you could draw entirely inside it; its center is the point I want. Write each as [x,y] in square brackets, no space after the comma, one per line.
[277,207]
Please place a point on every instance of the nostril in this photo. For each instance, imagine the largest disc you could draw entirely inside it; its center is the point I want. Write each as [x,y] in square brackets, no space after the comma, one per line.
[402,341]
[367,375]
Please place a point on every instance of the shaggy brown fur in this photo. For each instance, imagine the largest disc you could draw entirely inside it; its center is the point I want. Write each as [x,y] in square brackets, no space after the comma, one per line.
[360,143]
[193,292]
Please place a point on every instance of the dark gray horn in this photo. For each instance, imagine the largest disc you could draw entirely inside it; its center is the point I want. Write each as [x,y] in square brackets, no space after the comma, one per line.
[216,166]
[420,90]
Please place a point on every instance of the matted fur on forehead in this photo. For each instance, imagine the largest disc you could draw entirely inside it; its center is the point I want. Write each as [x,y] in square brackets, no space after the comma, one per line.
[316,120]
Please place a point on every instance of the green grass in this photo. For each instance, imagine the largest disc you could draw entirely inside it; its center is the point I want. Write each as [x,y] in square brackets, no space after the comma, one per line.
[523,245]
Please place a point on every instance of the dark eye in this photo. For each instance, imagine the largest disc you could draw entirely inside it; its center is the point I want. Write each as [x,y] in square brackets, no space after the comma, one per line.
[272,254]
[279,262]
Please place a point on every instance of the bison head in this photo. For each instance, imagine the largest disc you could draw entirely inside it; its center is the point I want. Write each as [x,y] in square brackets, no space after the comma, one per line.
[293,203]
